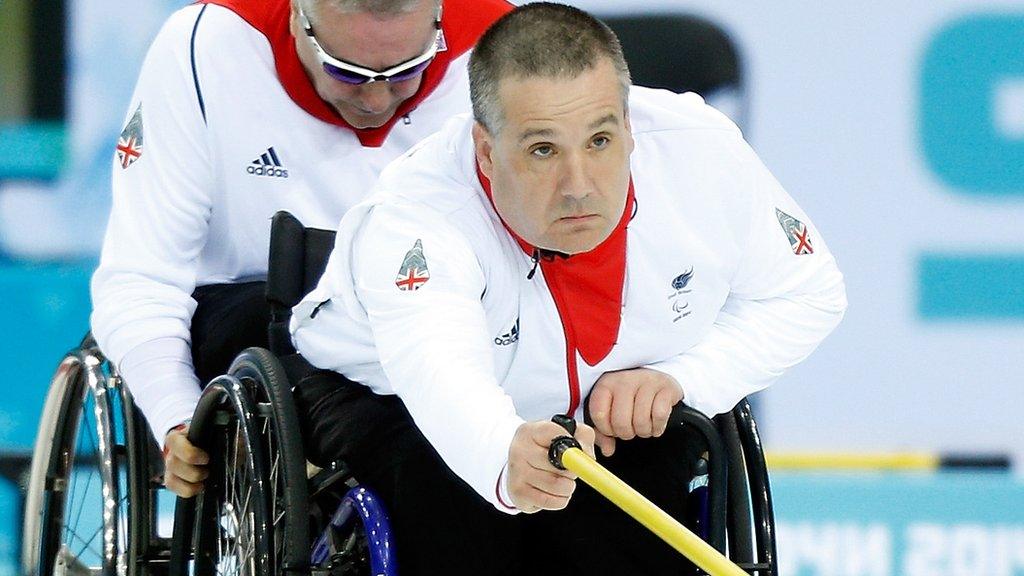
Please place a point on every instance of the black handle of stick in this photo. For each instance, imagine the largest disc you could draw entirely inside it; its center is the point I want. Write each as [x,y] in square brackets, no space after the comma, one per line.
[562,443]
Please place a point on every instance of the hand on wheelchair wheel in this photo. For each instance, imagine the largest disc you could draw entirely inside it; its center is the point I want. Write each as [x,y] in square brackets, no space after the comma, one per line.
[533,483]
[185,465]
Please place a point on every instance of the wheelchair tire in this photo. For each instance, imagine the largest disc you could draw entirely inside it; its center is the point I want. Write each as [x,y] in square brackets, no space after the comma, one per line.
[76,516]
[226,528]
[760,489]
[262,375]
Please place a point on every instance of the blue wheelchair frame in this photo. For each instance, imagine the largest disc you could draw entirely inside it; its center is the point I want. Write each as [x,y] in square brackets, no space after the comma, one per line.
[360,504]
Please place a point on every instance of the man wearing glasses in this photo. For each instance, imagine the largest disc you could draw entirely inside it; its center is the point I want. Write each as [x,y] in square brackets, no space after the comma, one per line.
[244,108]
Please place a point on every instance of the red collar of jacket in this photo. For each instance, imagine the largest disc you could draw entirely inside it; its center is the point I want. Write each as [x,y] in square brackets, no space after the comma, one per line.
[463,23]
[587,287]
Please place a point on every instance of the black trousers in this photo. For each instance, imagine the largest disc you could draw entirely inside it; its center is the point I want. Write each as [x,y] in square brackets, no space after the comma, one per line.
[229,318]
[442,526]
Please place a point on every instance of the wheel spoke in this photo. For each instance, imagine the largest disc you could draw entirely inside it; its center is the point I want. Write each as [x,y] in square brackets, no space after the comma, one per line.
[88,423]
[85,496]
[242,515]
[122,520]
[70,486]
[86,544]
[225,531]
[73,506]
[277,510]
[236,523]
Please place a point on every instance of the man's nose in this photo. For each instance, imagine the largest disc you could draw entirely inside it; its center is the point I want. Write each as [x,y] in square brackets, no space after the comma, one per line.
[575,178]
[375,97]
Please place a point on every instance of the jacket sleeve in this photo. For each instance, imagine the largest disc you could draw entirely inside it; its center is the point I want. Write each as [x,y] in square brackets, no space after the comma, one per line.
[787,294]
[142,304]
[420,283]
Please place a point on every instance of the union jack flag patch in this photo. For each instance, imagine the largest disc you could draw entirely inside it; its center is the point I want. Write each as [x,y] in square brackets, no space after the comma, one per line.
[797,232]
[414,273]
[129,143]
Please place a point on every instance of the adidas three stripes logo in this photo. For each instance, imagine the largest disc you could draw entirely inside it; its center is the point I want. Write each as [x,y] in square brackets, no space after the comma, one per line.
[268,164]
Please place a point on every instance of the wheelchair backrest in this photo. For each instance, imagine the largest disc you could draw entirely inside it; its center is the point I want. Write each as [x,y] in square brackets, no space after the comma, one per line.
[298,257]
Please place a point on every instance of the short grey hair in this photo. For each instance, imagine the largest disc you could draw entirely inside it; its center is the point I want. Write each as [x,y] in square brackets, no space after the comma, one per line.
[376,7]
[540,39]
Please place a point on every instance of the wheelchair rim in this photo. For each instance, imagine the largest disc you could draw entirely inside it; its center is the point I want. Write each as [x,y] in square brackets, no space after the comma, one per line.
[75,513]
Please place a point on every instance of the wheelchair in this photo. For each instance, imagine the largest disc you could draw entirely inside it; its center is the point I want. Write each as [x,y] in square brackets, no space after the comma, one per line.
[96,476]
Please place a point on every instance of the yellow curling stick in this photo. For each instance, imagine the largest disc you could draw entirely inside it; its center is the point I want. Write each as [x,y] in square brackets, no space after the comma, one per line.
[565,453]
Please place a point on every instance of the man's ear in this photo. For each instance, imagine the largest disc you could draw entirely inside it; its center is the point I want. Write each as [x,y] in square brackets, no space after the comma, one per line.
[483,145]
[629,133]
[294,26]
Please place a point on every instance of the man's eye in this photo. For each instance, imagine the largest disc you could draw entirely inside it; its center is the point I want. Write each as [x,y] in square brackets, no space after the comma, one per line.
[542,151]
[601,141]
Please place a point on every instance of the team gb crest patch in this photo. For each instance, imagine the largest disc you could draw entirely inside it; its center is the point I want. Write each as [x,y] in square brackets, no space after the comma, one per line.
[129,143]
[414,273]
[797,232]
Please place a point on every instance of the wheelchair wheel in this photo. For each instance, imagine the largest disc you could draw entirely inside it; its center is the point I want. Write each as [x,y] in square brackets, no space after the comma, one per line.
[263,377]
[76,513]
[227,528]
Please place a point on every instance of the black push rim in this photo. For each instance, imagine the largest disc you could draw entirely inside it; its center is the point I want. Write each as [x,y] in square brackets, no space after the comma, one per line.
[230,518]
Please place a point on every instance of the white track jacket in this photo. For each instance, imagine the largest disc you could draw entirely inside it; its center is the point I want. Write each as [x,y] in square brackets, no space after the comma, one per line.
[224,130]
[715,277]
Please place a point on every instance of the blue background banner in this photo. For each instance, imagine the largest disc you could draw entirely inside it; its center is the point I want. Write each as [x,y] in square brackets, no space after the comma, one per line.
[968,67]
[971,287]
[888,524]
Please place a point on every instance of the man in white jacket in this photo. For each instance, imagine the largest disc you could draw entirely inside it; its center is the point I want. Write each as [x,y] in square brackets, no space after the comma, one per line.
[576,241]
[244,108]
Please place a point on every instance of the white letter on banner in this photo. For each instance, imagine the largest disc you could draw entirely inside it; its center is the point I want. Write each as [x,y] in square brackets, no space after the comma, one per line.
[835,549]
[806,545]
[925,554]
[867,550]
[969,554]
[1018,547]
[1008,555]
